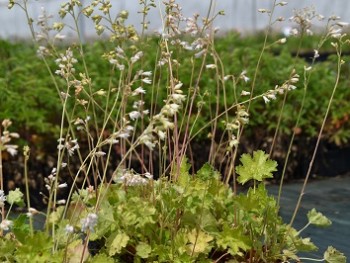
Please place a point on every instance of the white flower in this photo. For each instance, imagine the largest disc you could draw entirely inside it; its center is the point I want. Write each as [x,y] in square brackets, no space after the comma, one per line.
[210,66]
[227,77]
[134,115]
[263,10]
[245,93]
[147,80]
[316,54]
[148,175]
[178,98]
[178,86]
[266,100]
[113,61]
[100,154]
[2,198]
[138,91]
[243,76]
[291,87]
[61,202]
[342,24]
[161,135]
[131,179]
[11,149]
[271,96]
[282,40]
[136,57]
[31,212]
[147,73]
[69,229]
[60,36]
[6,224]
[89,222]
[64,185]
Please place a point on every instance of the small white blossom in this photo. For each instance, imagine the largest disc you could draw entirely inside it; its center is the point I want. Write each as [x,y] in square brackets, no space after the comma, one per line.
[342,24]
[11,149]
[148,175]
[178,86]
[210,66]
[282,40]
[266,100]
[69,229]
[60,36]
[136,57]
[61,202]
[245,93]
[263,10]
[147,73]
[64,185]
[134,115]
[147,80]
[316,54]
[244,77]
[138,91]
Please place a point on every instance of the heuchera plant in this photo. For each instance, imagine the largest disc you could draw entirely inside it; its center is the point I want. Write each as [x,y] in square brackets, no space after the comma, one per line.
[196,219]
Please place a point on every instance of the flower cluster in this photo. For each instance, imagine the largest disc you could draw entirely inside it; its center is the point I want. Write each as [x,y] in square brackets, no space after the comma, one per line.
[286,86]
[6,138]
[88,223]
[131,178]
[51,183]
[162,122]
[303,18]
[2,198]
[66,64]
[71,145]
[6,225]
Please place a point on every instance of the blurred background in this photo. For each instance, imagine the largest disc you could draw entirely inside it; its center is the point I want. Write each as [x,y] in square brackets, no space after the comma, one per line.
[240,15]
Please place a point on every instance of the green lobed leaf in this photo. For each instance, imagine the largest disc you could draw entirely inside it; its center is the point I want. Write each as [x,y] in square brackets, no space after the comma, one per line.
[118,243]
[102,258]
[143,250]
[258,167]
[318,219]
[331,255]
[15,197]
[199,242]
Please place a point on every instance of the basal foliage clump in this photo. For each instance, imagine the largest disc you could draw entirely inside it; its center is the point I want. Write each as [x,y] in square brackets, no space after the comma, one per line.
[196,219]
[122,188]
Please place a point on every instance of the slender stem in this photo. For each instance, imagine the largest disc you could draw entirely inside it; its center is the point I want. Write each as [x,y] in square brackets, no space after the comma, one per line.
[302,192]
[26,158]
[1,187]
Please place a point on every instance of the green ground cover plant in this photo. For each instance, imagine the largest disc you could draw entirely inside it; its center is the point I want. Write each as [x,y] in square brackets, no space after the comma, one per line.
[122,188]
[25,75]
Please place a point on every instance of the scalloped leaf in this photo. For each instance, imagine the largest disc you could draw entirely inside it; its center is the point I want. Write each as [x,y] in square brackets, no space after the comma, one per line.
[331,255]
[143,250]
[318,219]
[118,243]
[258,167]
